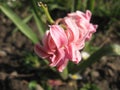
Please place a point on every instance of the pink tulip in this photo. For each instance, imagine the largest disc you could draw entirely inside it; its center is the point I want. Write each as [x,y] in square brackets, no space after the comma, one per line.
[61,45]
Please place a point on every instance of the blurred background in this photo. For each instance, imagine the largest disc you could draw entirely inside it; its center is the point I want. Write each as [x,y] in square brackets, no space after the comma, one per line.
[21,69]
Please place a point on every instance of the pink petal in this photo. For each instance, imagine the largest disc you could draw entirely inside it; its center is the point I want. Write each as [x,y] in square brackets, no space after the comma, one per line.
[92,29]
[72,27]
[57,57]
[78,57]
[80,44]
[40,51]
[58,35]
[77,14]
[74,53]
[69,34]
[51,44]
[62,64]
[45,40]
[48,42]
[88,15]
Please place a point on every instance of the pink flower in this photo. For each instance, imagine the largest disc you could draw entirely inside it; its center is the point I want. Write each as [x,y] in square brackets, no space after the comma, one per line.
[54,47]
[78,30]
[61,45]
[79,27]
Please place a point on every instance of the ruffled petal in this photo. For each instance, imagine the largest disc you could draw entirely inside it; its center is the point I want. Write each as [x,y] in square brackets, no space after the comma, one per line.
[48,43]
[62,64]
[88,15]
[72,27]
[40,51]
[57,57]
[92,29]
[74,54]
[58,35]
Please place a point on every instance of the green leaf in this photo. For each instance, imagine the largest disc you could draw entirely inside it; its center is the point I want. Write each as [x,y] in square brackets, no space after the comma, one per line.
[27,19]
[37,16]
[90,87]
[38,23]
[24,28]
[113,49]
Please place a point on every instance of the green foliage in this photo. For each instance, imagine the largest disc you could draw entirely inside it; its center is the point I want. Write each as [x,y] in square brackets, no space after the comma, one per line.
[32,85]
[31,61]
[58,4]
[12,3]
[89,47]
[90,5]
[27,19]
[81,5]
[113,49]
[24,28]
[47,87]
[107,8]
[90,87]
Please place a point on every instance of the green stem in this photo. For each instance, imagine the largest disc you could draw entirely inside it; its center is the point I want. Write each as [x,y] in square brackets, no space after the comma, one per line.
[64,74]
[44,6]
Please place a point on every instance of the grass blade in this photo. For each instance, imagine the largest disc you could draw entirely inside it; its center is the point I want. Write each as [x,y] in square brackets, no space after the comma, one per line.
[27,19]
[38,23]
[24,28]
[113,49]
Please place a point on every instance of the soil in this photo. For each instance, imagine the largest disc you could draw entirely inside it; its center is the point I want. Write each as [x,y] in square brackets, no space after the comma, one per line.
[15,76]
